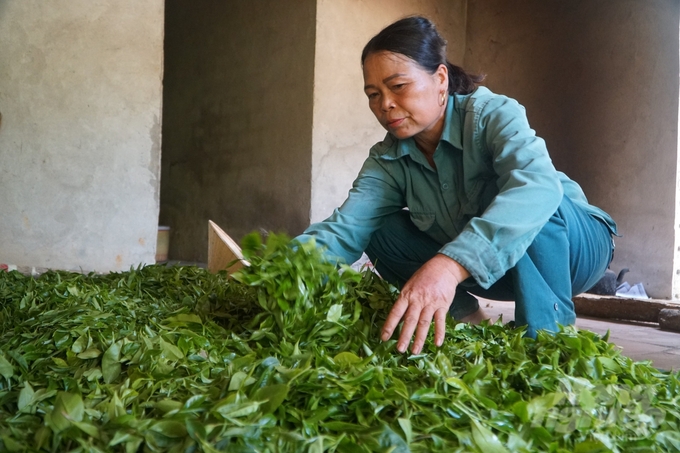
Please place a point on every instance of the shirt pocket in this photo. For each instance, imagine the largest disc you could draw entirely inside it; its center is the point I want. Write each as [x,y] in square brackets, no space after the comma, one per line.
[423,220]
[478,197]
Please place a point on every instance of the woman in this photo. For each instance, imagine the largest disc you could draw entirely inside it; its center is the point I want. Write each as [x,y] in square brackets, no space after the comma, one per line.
[487,213]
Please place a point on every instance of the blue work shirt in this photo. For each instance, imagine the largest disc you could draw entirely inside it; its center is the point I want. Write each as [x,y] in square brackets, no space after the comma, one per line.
[493,189]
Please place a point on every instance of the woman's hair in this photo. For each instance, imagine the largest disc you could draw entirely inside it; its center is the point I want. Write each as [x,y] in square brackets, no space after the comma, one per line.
[417,38]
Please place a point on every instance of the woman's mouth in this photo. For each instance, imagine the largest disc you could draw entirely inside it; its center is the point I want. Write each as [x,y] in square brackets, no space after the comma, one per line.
[394,123]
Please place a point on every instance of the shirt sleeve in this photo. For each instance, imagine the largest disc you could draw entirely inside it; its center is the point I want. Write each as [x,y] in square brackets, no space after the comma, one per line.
[529,192]
[346,233]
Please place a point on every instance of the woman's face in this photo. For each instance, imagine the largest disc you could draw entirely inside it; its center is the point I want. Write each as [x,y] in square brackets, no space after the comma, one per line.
[405,98]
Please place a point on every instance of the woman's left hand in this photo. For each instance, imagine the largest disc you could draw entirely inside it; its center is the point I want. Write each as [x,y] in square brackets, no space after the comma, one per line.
[427,295]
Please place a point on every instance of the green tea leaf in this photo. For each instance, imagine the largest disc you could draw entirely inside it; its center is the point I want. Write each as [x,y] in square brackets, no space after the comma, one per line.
[111,366]
[668,439]
[93,374]
[586,400]
[42,437]
[185,318]
[6,368]
[236,410]
[79,345]
[68,408]
[171,351]
[486,441]
[60,362]
[271,397]
[590,446]
[168,405]
[91,353]
[334,313]
[25,397]
[87,428]
[346,359]
[10,444]
[388,439]
[405,425]
[240,379]
[169,428]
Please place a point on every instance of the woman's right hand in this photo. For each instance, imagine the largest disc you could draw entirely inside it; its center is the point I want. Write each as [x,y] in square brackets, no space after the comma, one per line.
[426,296]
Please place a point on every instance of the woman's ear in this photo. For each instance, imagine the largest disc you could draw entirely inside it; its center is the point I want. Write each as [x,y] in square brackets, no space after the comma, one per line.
[442,75]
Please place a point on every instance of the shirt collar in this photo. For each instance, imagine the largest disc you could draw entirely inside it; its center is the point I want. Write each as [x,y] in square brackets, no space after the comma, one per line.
[452,127]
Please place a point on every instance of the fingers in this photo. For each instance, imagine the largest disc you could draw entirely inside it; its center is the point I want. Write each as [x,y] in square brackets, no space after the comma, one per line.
[393,318]
[426,295]
[417,319]
[411,320]
[421,326]
[440,326]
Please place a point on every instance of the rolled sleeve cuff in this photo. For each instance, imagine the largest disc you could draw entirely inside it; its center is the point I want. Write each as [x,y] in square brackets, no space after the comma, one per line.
[477,255]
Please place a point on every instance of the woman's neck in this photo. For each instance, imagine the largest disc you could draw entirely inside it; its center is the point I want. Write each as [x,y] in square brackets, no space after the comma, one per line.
[427,147]
[428,140]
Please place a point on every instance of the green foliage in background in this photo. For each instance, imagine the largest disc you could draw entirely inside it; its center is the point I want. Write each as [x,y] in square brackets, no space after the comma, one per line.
[285,356]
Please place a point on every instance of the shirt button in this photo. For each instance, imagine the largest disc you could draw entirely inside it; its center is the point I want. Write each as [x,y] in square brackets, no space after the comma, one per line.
[555,307]
[445,186]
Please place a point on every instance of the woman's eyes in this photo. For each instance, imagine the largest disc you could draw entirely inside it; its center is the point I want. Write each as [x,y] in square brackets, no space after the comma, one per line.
[395,87]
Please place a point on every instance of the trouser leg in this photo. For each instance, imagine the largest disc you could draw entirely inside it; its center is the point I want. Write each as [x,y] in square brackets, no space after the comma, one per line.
[569,255]
[399,249]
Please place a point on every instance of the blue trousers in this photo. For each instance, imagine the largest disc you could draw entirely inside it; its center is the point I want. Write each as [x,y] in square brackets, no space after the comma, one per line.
[568,256]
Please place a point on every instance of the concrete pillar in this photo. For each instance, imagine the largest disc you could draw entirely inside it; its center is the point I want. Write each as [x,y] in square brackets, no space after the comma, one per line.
[237,119]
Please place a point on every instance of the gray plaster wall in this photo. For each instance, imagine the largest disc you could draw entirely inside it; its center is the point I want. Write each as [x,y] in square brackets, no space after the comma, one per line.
[237,119]
[599,80]
[344,127]
[80,106]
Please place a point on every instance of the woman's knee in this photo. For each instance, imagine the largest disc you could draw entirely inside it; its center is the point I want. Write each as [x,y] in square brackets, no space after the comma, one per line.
[572,243]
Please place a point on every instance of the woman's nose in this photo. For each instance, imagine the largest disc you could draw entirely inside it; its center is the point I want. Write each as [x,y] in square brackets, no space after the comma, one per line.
[387,103]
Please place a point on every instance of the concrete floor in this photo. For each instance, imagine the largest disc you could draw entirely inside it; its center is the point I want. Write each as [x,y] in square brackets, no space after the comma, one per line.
[639,341]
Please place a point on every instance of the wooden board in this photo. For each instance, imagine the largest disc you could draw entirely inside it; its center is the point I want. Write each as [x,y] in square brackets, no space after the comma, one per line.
[645,310]
[223,251]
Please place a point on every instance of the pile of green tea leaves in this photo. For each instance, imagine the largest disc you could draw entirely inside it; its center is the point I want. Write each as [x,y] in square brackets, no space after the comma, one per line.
[285,356]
